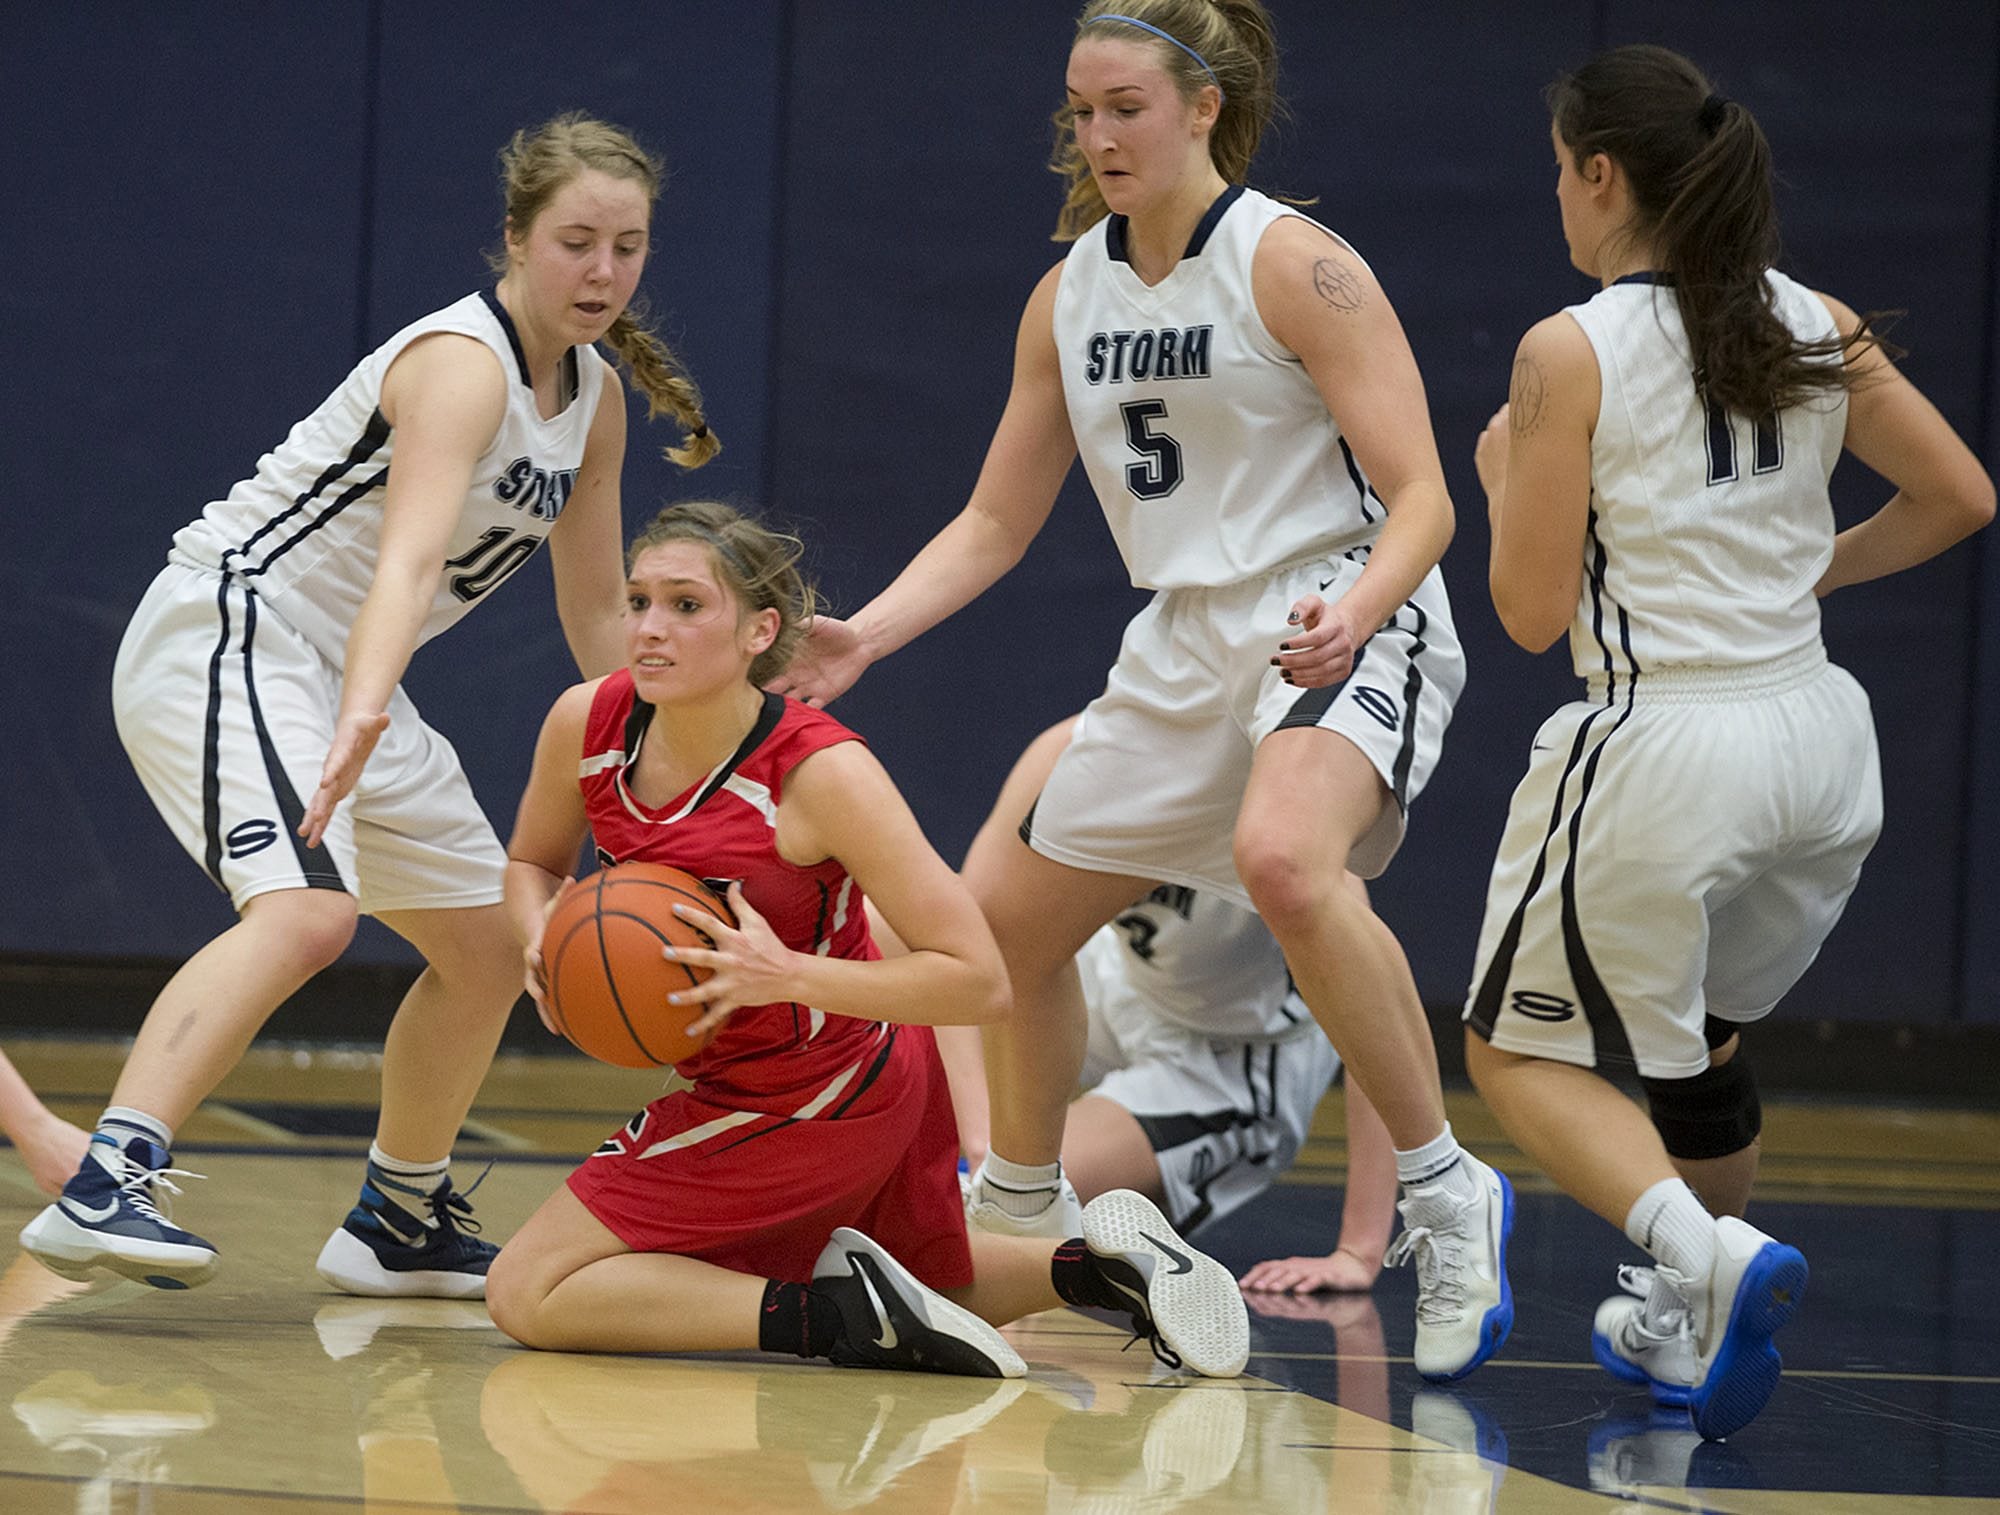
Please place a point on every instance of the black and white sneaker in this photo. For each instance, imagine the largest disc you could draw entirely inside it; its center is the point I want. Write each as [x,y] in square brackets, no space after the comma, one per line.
[1183,1301]
[889,1320]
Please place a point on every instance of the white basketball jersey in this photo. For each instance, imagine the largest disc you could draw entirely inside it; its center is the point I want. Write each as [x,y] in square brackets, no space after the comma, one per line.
[1202,962]
[1209,447]
[303,532]
[1707,530]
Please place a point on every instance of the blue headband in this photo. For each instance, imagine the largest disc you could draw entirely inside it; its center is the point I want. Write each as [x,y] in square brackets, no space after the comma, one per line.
[1147,26]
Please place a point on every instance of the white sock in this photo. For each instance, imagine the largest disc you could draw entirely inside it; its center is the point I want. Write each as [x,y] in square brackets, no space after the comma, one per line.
[1669,1222]
[423,1177]
[1437,1165]
[1021,1190]
[121,1123]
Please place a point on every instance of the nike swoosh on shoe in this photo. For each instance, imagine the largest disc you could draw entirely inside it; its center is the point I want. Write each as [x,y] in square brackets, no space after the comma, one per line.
[1181,1262]
[888,1339]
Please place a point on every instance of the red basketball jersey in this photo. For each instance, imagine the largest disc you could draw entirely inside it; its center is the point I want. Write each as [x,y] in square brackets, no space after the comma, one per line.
[780,1058]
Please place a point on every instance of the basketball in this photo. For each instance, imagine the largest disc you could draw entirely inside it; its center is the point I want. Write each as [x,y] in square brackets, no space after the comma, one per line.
[608,983]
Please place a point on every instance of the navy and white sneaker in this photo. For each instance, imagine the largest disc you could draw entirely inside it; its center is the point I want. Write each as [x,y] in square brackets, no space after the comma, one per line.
[113,1214]
[890,1320]
[400,1241]
[1182,1300]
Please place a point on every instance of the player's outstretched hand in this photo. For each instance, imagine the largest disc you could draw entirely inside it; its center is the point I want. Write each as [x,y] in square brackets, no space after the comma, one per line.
[353,739]
[1340,1272]
[1319,650]
[829,661]
[748,965]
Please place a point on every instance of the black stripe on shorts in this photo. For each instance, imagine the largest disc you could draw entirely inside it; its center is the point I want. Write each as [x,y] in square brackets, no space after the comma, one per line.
[320,872]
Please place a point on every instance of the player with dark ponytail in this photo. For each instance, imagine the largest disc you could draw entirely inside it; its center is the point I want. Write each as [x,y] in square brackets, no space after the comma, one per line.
[1687,834]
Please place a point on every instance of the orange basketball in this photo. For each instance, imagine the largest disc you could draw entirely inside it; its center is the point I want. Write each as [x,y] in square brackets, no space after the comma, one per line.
[608,983]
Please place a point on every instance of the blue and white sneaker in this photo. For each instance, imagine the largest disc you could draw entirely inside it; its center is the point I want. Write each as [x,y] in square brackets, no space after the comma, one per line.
[1465,1304]
[113,1214]
[1753,1289]
[1661,1354]
[400,1241]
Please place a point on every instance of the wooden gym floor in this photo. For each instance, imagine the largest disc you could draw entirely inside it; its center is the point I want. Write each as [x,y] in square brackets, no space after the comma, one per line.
[264,1392]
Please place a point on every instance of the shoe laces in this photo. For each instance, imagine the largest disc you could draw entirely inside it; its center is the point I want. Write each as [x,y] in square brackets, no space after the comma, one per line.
[138,1187]
[1144,1330]
[1440,1287]
[453,1210]
[1635,1279]
[1651,1326]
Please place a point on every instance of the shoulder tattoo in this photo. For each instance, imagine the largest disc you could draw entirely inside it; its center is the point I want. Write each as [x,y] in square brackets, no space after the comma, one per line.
[1338,285]
[1527,397]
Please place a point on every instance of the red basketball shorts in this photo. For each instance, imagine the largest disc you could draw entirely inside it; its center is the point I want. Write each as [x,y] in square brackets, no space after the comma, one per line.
[758,1190]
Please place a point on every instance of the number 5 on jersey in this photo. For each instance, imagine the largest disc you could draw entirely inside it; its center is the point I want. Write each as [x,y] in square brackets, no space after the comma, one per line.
[1160,474]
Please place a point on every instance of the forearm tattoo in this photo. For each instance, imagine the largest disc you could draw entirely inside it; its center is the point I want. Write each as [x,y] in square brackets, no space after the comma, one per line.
[1338,285]
[1527,397]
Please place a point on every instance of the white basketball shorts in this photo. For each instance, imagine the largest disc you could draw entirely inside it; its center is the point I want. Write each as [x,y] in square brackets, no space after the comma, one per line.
[1153,780]
[1224,1117]
[227,714]
[1681,853]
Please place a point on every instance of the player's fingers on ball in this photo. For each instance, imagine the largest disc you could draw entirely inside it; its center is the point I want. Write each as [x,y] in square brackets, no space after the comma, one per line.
[693,957]
[710,924]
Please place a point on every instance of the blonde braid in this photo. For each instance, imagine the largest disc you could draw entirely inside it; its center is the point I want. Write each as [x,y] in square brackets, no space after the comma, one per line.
[665,384]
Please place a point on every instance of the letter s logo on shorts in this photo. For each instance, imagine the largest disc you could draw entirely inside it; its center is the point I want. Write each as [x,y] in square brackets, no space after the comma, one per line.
[248,837]
[1377,704]
[1541,1007]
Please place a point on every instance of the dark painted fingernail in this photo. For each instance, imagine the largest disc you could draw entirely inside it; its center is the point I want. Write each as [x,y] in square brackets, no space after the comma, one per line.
[1284,646]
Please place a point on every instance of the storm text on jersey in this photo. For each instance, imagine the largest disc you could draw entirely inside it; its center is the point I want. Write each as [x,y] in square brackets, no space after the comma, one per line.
[542,492]
[1171,352]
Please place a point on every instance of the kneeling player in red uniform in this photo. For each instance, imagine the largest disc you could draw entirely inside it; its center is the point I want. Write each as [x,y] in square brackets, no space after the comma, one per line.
[802,1196]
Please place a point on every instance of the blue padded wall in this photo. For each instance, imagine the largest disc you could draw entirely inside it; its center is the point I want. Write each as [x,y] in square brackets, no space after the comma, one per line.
[233,203]
[216,210]
[179,284]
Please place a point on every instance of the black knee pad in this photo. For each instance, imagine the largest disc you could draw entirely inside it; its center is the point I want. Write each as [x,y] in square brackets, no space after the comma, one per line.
[1716,1031]
[1714,1114]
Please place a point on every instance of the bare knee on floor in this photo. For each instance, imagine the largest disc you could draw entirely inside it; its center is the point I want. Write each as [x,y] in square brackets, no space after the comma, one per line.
[514,1298]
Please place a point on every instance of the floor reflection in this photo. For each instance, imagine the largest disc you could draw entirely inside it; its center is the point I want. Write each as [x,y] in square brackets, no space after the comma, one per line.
[260,1392]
